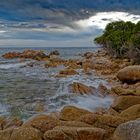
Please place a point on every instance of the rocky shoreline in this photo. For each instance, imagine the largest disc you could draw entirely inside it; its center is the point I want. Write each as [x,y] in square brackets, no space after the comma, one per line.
[120,122]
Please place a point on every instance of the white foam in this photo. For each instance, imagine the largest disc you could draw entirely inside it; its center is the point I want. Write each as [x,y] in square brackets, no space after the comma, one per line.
[89,102]
[3,31]
[83,78]
[8,66]
[101,19]
[3,109]
[93,102]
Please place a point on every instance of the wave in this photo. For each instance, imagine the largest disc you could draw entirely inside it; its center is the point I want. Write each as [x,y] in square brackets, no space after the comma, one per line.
[11,65]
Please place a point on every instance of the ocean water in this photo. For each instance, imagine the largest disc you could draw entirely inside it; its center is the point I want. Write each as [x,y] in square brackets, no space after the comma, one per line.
[26,91]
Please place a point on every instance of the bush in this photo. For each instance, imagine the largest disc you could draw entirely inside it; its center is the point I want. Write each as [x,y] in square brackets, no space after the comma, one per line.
[120,38]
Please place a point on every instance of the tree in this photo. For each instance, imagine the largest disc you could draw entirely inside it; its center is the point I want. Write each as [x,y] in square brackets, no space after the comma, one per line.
[120,36]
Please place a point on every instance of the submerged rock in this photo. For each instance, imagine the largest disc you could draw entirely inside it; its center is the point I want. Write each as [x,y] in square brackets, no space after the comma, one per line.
[6,123]
[88,55]
[54,62]
[67,72]
[80,88]
[27,54]
[129,74]
[11,55]
[128,131]
[12,123]
[2,122]
[102,89]
[55,52]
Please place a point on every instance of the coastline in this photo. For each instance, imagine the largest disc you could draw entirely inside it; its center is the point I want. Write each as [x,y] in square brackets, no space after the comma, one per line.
[77,123]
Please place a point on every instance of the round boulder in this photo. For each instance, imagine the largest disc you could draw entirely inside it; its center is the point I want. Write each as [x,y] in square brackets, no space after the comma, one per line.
[75,133]
[41,122]
[131,113]
[128,131]
[71,113]
[26,134]
[129,74]
[123,102]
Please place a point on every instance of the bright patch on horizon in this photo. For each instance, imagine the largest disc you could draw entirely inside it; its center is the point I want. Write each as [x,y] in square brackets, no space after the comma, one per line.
[2,31]
[100,20]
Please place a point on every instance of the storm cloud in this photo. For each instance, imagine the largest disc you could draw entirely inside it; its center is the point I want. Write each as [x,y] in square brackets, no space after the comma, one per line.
[59,22]
[60,10]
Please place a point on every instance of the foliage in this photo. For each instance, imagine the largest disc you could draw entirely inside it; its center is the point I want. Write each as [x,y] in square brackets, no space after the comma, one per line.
[121,37]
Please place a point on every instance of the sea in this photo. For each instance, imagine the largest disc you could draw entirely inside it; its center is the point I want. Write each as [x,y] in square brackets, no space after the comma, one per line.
[27,91]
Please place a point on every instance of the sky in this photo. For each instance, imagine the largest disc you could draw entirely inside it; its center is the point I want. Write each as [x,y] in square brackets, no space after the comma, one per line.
[54,23]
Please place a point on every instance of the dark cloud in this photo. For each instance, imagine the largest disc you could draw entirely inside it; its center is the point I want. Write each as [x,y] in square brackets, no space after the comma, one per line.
[54,20]
[59,10]
[49,10]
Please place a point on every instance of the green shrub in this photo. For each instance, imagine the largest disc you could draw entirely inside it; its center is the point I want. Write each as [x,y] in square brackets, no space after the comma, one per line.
[120,38]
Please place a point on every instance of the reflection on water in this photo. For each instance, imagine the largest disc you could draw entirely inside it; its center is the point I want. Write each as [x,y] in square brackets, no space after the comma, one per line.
[30,90]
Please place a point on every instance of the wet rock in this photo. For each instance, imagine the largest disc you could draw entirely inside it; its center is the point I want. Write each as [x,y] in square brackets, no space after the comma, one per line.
[2,122]
[22,60]
[27,54]
[75,133]
[100,110]
[12,123]
[129,74]
[131,113]
[40,107]
[123,102]
[6,134]
[101,64]
[54,62]
[31,64]
[11,55]
[88,55]
[128,131]
[112,111]
[23,133]
[80,88]
[102,89]
[73,64]
[137,85]
[87,65]
[125,86]
[67,72]
[41,122]
[121,91]
[71,113]
[55,52]
[33,54]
